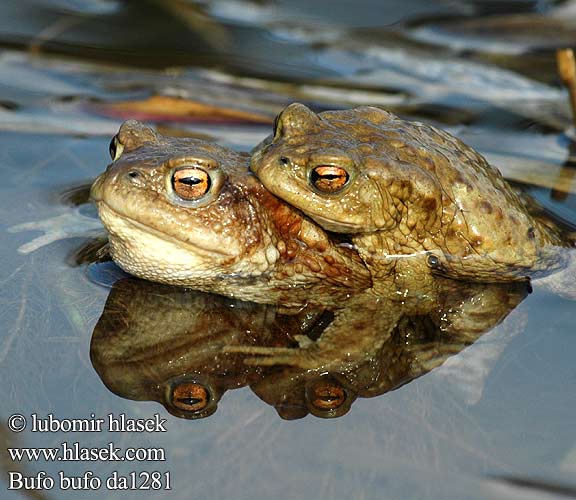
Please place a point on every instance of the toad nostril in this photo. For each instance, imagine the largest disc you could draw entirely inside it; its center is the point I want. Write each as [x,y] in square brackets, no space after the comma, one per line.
[133,174]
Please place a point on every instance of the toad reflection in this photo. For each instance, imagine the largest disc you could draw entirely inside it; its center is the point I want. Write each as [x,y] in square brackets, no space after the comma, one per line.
[163,343]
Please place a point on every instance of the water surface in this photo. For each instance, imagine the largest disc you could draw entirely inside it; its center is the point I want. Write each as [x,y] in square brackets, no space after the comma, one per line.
[495,421]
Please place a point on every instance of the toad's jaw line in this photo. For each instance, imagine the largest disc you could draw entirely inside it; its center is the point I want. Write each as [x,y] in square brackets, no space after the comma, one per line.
[329,224]
[158,234]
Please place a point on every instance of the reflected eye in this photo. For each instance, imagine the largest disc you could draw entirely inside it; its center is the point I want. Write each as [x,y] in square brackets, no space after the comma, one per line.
[115,148]
[329,178]
[191,183]
[326,396]
[190,396]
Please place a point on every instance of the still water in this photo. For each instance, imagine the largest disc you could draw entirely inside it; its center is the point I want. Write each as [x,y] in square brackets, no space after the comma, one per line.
[426,417]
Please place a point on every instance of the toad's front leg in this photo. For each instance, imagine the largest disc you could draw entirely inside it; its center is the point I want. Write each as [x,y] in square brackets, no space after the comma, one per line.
[356,333]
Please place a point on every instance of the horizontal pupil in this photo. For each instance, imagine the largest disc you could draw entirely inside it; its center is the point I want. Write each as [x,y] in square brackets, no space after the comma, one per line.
[190,181]
[329,398]
[331,176]
[190,401]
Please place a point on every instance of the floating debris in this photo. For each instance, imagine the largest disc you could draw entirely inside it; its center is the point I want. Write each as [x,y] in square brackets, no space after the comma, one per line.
[161,107]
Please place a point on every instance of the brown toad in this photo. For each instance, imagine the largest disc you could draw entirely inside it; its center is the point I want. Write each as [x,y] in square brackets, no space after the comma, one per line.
[417,201]
[188,212]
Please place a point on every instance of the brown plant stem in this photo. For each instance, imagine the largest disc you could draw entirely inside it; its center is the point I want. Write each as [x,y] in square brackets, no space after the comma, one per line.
[567,71]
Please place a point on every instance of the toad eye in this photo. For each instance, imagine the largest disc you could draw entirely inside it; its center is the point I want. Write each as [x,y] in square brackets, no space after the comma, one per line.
[329,178]
[115,148]
[191,183]
[327,396]
[190,396]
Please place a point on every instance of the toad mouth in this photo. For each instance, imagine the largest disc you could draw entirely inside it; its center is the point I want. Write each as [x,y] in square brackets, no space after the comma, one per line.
[194,247]
[330,224]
